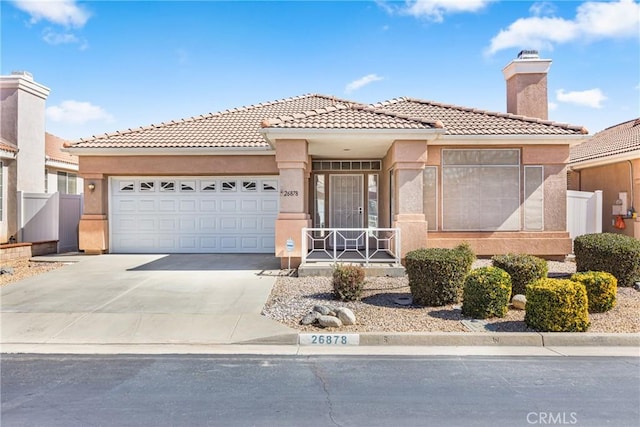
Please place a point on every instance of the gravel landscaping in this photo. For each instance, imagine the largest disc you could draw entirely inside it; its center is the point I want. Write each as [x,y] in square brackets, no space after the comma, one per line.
[378,310]
[23,268]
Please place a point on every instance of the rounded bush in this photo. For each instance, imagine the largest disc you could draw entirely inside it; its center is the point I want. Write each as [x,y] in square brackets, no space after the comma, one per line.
[486,293]
[523,269]
[557,305]
[348,282]
[601,288]
[614,253]
[436,275]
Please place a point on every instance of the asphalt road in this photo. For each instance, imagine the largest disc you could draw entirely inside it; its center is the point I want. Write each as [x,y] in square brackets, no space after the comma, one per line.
[46,390]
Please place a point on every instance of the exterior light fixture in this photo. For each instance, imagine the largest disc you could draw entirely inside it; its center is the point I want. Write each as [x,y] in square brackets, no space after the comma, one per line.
[91,186]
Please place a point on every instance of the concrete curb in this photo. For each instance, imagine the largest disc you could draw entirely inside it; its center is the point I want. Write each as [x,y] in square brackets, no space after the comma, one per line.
[484,339]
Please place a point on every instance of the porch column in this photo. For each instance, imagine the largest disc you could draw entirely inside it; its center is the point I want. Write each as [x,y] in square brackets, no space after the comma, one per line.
[94,225]
[636,197]
[407,162]
[292,157]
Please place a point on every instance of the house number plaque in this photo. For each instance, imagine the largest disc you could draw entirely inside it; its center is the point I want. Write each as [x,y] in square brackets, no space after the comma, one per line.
[289,193]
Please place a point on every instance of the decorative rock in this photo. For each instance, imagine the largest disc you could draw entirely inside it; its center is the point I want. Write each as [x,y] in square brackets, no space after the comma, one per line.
[519,302]
[346,316]
[324,310]
[310,318]
[329,322]
[6,270]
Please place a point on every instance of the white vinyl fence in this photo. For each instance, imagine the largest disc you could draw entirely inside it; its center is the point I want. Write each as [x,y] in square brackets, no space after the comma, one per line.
[45,217]
[584,212]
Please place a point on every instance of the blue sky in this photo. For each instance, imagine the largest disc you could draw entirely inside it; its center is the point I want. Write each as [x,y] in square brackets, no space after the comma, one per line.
[113,65]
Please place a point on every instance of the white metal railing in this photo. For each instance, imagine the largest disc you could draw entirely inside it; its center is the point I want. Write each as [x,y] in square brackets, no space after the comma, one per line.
[359,245]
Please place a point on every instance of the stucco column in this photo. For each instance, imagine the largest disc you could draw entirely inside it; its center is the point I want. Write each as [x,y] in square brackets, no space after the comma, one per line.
[407,162]
[636,197]
[94,225]
[292,157]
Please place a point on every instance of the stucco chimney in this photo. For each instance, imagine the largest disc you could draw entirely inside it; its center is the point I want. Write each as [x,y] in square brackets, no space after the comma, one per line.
[526,78]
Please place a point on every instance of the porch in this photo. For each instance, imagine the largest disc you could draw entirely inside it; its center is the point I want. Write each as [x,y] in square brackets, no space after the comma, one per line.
[376,249]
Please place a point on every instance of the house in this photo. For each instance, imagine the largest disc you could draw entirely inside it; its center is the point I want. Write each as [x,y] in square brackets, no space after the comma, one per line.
[31,160]
[610,161]
[316,175]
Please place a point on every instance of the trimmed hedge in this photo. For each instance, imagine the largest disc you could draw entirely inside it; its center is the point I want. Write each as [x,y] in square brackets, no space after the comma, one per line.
[436,275]
[348,282]
[487,292]
[601,288]
[523,269]
[557,305]
[614,253]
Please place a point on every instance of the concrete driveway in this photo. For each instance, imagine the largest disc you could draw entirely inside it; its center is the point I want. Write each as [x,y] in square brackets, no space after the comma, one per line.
[145,299]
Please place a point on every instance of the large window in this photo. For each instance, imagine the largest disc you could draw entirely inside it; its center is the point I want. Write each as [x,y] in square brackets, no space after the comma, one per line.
[481,190]
[67,183]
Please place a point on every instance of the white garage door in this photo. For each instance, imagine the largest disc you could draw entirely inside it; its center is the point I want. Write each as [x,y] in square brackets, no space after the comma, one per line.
[193,215]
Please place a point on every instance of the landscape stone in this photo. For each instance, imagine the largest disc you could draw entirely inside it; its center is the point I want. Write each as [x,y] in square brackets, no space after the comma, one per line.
[324,310]
[346,316]
[519,302]
[329,322]
[310,318]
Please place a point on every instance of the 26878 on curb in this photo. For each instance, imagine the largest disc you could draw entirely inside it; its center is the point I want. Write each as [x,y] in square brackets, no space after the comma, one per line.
[329,339]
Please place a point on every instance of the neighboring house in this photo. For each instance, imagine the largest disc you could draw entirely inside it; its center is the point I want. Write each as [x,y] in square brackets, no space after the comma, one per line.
[610,161]
[251,179]
[61,173]
[31,160]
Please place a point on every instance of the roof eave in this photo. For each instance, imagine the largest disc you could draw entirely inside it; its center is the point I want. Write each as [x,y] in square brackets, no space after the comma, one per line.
[606,160]
[571,140]
[272,134]
[163,151]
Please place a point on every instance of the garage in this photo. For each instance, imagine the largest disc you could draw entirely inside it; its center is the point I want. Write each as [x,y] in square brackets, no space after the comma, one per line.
[193,215]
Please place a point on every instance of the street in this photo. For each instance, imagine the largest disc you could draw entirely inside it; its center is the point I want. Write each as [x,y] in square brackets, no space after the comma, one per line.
[70,390]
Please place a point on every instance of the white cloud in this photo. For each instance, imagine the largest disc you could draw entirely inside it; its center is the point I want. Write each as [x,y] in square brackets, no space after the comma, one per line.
[589,98]
[593,20]
[542,8]
[552,106]
[435,10]
[77,112]
[53,37]
[363,81]
[62,12]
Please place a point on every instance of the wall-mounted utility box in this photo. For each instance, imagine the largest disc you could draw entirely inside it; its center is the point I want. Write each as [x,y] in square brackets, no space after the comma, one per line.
[620,206]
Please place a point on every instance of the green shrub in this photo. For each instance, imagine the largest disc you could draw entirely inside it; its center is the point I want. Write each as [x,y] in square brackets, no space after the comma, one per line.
[523,269]
[614,253]
[557,305]
[487,292]
[436,275]
[348,282]
[601,287]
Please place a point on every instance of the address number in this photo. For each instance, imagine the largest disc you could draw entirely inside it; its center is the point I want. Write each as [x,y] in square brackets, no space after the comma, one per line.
[289,193]
[329,339]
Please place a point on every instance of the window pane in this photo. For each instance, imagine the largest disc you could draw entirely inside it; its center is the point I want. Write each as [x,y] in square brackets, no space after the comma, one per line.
[72,184]
[319,216]
[481,157]
[62,183]
[430,196]
[373,201]
[533,198]
[481,198]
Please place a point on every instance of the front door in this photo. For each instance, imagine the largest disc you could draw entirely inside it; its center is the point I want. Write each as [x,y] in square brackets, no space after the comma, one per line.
[347,209]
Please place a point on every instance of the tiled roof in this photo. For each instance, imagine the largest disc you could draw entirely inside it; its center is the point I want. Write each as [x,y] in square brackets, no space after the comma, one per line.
[53,145]
[7,146]
[239,127]
[618,139]
[235,128]
[469,121]
[349,116]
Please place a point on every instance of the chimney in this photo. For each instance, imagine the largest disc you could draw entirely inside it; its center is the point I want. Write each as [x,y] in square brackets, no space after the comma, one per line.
[526,78]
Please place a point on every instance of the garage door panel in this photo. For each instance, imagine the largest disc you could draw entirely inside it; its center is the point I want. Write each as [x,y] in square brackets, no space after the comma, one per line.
[214,215]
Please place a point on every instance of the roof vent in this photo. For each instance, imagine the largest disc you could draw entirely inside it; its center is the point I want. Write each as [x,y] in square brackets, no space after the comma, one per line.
[528,54]
[24,74]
